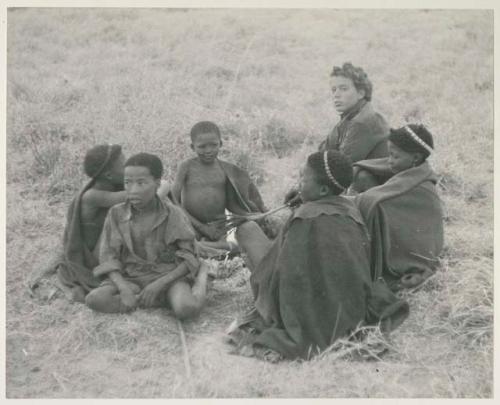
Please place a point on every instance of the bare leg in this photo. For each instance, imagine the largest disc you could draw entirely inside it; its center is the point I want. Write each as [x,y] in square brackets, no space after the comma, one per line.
[253,242]
[199,289]
[187,301]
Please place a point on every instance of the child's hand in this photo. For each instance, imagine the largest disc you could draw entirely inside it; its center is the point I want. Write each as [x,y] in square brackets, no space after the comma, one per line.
[148,295]
[292,198]
[128,298]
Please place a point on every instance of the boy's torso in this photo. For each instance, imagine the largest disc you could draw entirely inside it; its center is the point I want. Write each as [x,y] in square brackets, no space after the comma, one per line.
[204,191]
[143,234]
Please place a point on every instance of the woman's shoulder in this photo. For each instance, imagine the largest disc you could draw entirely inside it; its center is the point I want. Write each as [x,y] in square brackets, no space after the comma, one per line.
[368,118]
[333,206]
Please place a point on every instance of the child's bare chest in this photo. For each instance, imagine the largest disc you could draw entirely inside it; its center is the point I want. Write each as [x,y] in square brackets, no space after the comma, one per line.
[206,176]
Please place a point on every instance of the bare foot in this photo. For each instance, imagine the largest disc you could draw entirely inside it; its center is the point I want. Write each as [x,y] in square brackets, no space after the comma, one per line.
[78,294]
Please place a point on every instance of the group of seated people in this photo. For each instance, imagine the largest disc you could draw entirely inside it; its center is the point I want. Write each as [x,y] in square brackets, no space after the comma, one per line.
[359,231]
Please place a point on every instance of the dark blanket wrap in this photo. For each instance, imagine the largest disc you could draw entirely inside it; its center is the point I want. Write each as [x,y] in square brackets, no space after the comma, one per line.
[313,286]
[405,220]
[75,267]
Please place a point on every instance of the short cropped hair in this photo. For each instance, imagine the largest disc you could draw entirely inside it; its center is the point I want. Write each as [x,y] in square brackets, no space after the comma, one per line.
[148,160]
[100,158]
[402,138]
[340,167]
[358,77]
[204,127]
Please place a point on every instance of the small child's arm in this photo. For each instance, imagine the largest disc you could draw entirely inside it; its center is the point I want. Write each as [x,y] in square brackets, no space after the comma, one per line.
[180,179]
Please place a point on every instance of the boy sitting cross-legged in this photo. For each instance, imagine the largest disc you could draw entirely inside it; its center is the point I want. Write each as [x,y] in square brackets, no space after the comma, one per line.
[206,186]
[143,241]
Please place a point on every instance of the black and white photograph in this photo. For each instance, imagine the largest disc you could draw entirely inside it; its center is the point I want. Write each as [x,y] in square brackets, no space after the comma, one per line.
[237,201]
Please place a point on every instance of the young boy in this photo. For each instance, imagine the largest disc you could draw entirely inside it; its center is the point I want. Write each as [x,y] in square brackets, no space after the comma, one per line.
[206,186]
[144,240]
[404,213]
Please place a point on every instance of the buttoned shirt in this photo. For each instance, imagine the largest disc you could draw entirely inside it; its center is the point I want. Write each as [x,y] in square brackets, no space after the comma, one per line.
[169,242]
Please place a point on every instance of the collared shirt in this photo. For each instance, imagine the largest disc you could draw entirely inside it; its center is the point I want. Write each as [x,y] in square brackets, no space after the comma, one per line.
[170,241]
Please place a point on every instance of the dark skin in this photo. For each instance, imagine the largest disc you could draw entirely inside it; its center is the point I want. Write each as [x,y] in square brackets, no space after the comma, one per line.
[400,160]
[95,203]
[125,296]
[106,192]
[101,196]
[200,186]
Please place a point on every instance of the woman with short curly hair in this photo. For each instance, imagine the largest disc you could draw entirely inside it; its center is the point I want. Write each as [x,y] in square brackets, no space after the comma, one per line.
[361,132]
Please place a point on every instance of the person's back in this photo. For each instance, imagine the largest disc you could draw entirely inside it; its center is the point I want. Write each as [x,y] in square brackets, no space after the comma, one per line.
[404,213]
[104,165]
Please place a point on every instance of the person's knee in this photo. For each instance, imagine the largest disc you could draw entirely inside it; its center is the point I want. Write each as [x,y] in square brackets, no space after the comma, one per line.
[186,308]
[96,299]
[245,229]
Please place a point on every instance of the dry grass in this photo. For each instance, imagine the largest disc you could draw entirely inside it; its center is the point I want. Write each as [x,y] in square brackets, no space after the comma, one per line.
[142,78]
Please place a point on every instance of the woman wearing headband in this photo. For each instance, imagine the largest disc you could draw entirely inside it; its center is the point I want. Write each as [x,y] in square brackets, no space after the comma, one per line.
[403,214]
[312,284]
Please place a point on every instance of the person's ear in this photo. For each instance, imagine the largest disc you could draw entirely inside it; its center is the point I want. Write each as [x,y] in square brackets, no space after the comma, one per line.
[361,93]
[418,158]
[324,190]
[157,183]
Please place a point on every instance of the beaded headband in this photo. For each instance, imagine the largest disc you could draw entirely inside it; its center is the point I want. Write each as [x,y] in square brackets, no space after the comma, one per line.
[329,173]
[416,138]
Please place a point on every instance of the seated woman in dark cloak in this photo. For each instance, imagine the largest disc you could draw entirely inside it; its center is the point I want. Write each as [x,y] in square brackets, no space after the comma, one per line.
[403,214]
[312,284]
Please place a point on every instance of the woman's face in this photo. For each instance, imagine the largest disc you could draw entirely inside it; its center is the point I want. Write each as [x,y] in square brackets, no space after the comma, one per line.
[399,160]
[345,95]
[310,190]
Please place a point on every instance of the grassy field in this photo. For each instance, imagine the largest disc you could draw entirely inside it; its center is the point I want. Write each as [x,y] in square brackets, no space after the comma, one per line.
[142,78]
